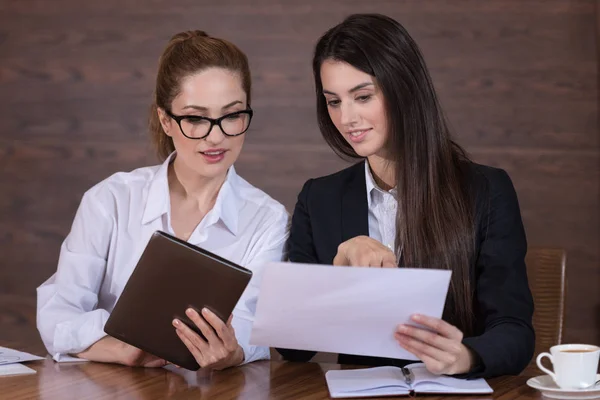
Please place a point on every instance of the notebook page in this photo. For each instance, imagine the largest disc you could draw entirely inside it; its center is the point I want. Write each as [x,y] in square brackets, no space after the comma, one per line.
[379,392]
[379,381]
[426,382]
[15,369]
[10,356]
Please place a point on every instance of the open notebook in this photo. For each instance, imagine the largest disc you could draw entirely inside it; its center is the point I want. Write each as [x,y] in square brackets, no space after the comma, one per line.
[393,381]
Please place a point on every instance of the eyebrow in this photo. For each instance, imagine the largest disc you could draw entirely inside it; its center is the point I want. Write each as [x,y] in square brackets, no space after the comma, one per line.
[354,89]
[200,108]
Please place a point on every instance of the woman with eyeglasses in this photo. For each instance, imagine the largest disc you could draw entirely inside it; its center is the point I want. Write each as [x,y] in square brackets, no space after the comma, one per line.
[200,113]
[414,199]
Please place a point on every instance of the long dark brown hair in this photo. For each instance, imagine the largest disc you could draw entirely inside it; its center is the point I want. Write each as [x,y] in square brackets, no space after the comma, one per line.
[435,218]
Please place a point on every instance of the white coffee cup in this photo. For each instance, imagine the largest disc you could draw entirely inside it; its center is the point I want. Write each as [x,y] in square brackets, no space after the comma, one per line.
[574,365]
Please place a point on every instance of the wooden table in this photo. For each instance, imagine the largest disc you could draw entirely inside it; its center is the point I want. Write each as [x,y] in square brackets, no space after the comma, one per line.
[259,380]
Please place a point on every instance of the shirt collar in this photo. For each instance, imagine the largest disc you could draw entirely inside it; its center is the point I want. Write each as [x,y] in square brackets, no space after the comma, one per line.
[226,205]
[228,202]
[372,187]
[157,200]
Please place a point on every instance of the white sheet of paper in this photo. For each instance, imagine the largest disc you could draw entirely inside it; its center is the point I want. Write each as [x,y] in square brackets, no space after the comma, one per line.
[15,369]
[10,356]
[63,358]
[349,310]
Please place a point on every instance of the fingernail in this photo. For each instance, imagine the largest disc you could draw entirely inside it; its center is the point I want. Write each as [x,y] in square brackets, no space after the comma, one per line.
[402,328]
[205,311]
[417,317]
[175,322]
[189,312]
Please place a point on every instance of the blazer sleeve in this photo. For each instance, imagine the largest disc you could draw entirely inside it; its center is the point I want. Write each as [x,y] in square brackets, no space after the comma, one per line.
[301,249]
[504,304]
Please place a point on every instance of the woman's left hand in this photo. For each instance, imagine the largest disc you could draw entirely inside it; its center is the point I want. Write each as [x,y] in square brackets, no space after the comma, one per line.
[220,350]
[441,351]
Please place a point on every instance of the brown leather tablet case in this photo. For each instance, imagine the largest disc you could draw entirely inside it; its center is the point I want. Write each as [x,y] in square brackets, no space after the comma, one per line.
[171,276]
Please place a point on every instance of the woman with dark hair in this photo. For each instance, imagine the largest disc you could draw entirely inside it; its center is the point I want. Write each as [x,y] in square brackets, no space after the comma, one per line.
[198,120]
[416,201]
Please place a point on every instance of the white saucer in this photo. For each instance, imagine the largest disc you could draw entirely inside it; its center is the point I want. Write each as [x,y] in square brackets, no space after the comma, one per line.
[546,385]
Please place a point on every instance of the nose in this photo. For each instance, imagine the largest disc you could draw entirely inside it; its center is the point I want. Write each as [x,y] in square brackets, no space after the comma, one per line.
[348,114]
[215,136]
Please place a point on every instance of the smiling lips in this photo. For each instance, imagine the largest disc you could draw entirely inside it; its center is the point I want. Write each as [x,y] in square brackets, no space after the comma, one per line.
[213,155]
[357,135]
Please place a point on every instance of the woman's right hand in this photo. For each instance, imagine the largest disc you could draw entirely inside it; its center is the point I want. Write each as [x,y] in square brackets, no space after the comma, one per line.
[111,350]
[363,251]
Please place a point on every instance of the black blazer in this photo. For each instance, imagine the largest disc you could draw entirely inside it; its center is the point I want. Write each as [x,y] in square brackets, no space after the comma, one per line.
[333,209]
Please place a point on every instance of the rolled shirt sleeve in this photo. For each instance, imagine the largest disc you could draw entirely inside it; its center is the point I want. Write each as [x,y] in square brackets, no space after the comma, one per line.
[270,247]
[67,317]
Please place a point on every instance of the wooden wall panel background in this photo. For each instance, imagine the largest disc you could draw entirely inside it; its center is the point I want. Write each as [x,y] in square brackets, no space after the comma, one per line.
[518,79]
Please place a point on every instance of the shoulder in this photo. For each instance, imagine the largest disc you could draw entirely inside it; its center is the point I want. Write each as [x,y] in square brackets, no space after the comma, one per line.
[120,186]
[332,185]
[488,181]
[494,194]
[258,202]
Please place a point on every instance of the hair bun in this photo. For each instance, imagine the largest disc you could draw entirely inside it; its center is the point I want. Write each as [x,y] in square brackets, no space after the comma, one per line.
[189,35]
[198,33]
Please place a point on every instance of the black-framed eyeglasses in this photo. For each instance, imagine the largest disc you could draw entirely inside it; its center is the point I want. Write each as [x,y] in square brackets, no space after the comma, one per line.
[197,127]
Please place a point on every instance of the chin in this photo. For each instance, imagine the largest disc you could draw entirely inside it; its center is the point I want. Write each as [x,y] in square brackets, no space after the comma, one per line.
[213,170]
[365,150]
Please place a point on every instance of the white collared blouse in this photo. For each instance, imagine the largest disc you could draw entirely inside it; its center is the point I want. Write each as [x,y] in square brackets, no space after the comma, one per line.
[112,226]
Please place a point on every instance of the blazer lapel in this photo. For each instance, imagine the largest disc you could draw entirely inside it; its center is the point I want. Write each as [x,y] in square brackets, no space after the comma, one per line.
[355,212]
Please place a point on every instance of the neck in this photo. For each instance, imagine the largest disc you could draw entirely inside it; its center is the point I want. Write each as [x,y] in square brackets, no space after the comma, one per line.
[383,171]
[189,187]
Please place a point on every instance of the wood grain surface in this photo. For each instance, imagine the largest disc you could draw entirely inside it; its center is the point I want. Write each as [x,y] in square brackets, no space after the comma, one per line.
[258,380]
